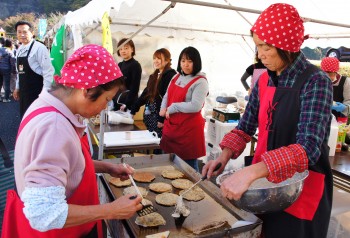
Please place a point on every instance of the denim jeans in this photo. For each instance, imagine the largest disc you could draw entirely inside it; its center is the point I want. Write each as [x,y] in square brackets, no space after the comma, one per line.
[5,78]
[193,163]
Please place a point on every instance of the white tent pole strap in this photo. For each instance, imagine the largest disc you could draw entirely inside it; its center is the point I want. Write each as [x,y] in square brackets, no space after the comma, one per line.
[206,4]
[180,28]
[147,24]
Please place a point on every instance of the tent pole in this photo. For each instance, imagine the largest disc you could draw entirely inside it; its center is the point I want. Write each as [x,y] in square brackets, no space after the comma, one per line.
[147,24]
[206,4]
[240,14]
[182,28]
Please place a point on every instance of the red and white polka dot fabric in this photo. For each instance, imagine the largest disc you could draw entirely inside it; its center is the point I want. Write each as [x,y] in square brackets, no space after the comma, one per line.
[330,64]
[280,26]
[88,67]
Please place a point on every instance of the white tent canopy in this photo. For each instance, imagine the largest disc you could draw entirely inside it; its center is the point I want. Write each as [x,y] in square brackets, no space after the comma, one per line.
[221,35]
[130,15]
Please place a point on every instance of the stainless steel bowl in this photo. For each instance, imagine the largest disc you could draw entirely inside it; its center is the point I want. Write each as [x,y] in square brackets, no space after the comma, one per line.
[265,197]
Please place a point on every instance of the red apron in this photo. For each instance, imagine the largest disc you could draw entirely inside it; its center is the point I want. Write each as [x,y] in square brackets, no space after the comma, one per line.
[16,225]
[307,203]
[183,133]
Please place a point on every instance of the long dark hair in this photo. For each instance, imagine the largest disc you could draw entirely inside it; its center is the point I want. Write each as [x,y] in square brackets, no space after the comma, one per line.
[155,77]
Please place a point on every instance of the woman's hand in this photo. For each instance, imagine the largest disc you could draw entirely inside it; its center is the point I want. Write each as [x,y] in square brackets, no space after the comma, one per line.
[122,108]
[234,186]
[115,170]
[16,94]
[122,208]
[167,115]
[125,207]
[211,164]
[118,170]
[162,112]
[160,125]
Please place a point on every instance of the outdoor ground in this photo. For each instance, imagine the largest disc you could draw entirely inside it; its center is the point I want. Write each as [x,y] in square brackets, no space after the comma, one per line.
[9,122]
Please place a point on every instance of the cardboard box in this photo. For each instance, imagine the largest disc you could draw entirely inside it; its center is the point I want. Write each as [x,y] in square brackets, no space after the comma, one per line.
[225,115]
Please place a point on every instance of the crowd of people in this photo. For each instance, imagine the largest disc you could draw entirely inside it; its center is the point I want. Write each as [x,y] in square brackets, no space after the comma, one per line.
[290,103]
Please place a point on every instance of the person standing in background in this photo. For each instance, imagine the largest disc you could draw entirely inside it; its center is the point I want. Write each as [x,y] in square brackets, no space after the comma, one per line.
[153,94]
[131,70]
[183,131]
[254,71]
[291,107]
[341,87]
[7,67]
[34,67]
[10,45]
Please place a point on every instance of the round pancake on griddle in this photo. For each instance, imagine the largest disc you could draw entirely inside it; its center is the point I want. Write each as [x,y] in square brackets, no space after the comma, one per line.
[172,174]
[160,187]
[132,190]
[150,220]
[167,199]
[195,194]
[118,182]
[143,177]
[182,183]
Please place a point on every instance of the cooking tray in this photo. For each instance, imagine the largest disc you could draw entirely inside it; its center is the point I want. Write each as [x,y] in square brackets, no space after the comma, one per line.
[214,207]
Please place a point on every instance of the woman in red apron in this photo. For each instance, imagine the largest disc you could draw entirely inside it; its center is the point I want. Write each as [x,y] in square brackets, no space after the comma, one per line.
[291,107]
[53,164]
[183,131]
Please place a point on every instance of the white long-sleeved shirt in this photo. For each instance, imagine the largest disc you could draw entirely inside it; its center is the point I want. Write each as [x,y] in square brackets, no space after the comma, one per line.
[39,61]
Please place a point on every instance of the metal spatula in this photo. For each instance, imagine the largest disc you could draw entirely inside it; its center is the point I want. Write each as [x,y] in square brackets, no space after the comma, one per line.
[147,209]
[202,179]
[180,206]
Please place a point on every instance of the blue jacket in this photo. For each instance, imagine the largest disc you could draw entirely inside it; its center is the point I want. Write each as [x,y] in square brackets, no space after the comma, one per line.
[7,60]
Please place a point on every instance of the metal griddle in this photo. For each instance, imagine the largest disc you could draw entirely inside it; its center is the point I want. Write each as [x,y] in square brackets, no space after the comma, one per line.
[213,207]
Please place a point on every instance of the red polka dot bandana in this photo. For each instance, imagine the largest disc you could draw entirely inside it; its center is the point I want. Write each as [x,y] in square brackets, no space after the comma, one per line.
[280,26]
[330,64]
[88,67]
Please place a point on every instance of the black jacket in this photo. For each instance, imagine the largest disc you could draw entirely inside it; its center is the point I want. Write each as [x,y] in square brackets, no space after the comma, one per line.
[131,70]
[163,86]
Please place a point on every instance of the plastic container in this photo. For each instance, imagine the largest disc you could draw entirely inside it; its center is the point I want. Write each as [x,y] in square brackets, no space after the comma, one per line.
[216,130]
[213,151]
[341,137]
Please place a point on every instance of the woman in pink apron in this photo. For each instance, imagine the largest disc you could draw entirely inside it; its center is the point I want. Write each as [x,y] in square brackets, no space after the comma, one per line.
[291,107]
[55,175]
[183,131]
